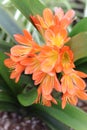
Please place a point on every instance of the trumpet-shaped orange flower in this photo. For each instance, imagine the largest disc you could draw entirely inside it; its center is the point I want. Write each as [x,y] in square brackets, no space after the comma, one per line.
[51,65]
[72,81]
[73,98]
[69,98]
[56,36]
[64,19]
[67,59]
[32,64]
[18,52]
[49,19]
[49,57]
[16,69]
[44,99]
[42,23]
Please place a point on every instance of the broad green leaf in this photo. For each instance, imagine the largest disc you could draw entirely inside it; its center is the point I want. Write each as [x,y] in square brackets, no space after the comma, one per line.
[71,116]
[78,45]
[29,7]
[4,72]
[81,61]
[79,27]
[8,23]
[28,98]
[8,107]
[82,67]
[4,86]
[4,97]
[52,122]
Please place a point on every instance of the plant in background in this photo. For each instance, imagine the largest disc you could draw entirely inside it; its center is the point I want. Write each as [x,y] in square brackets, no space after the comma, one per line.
[47,74]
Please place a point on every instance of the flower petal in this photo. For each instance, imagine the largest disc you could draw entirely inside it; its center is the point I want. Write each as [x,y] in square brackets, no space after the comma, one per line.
[19,50]
[48,17]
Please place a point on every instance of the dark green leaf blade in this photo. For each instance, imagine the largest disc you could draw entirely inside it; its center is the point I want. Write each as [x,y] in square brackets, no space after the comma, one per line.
[28,98]
[8,107]
[4,97]
[79,27]
[82,67]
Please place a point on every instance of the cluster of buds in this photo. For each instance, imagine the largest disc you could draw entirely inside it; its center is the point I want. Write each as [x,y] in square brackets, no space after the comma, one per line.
[46,62]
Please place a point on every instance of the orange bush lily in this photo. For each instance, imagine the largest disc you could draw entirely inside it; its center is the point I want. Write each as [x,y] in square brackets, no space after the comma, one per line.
[44,99]
[71,81]
[15,67]
[73,98]
[49,19]
[49,57]
[27,46]
[52,64]
[56,36]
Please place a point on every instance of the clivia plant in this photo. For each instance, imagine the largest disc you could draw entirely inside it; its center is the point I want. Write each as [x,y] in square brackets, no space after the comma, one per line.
[47,78]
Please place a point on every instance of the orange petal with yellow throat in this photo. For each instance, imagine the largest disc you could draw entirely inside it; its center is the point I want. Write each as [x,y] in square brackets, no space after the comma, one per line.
[48,58]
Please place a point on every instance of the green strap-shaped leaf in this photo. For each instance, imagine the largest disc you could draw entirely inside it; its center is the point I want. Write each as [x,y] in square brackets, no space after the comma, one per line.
[29,7]
[79,27]
[4,97]
[10,107]
[8,23]
[4,72]
[71,116]
[52,122]
[78,45]
[82,67]
[28,98]
[81,61]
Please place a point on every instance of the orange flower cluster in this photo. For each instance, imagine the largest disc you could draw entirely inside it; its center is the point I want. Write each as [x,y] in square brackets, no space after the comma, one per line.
[47,61]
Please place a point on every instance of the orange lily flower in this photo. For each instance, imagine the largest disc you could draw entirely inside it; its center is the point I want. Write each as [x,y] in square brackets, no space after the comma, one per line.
[67,59]
[32,64]
[44,62]
[72,81]
[49,57]
[73,98]
[42,23]
[65,19]
[56,36]
[44,99]
[49,19]
[15,67]
[19,52]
